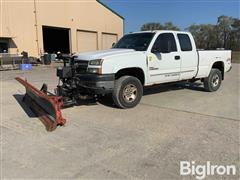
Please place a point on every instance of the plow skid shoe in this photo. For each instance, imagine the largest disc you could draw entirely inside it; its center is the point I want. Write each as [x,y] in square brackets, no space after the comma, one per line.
[46,107]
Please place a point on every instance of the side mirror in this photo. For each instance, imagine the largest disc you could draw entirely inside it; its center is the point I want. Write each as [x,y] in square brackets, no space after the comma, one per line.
[113,44]
[157,53]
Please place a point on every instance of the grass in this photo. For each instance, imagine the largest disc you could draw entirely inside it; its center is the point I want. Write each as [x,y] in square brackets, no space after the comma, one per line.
[236,57]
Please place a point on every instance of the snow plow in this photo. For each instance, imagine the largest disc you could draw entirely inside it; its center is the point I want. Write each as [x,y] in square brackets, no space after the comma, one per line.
[78,84]
[71,90]
[45,105]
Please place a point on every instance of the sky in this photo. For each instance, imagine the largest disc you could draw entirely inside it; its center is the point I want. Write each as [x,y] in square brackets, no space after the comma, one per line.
[182,13]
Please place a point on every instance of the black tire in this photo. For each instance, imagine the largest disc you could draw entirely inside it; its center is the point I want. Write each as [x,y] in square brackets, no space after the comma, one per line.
[123,86]
[213,81]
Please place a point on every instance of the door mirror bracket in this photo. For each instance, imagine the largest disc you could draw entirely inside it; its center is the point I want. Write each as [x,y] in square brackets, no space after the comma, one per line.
[155,51]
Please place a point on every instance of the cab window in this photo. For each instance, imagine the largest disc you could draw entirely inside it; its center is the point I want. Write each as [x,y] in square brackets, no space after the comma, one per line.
[185,42]
[165,43]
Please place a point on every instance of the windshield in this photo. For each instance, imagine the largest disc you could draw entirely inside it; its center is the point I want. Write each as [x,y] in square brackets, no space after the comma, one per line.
[138,41]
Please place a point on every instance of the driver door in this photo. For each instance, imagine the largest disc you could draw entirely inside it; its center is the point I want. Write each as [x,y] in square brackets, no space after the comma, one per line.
[164,60]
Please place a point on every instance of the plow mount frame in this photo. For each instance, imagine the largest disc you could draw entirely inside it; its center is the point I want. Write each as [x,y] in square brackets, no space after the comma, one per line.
[46,107]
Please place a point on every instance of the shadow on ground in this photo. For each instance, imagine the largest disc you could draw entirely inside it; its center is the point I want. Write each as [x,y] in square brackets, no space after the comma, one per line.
[107,100]
[42,115]
[19,99]
[197,86]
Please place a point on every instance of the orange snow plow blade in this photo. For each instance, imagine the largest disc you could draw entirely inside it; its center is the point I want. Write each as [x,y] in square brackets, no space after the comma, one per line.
[46,107]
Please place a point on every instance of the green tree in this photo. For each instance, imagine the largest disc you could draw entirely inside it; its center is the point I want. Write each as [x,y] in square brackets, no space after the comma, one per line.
[224,25]
[197,33]
[158,26]
[205,35]
[170,26]
[235,35]
[225,34]
[151,26]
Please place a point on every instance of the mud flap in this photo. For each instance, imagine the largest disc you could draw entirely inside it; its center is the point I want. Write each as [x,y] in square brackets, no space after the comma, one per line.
[46,107]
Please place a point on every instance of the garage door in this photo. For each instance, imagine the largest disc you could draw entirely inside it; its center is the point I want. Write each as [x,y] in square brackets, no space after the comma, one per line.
[108,40]
[86,41]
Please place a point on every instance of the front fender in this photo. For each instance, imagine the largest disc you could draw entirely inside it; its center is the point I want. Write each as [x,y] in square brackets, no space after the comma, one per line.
[132,60]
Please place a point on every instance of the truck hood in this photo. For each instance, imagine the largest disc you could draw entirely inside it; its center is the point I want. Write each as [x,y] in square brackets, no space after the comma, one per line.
[102,54]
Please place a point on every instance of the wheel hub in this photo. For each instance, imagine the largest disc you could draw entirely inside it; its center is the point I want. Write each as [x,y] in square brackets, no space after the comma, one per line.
[215,80]
[130,93]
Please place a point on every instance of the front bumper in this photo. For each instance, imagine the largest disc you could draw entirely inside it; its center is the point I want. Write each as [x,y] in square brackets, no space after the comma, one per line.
[97,84]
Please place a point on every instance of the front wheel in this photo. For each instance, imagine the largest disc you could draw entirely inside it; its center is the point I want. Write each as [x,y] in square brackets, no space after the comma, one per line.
[127,92]
[213,81]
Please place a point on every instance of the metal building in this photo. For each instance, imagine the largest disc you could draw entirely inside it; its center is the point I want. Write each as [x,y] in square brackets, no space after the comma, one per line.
[70,26]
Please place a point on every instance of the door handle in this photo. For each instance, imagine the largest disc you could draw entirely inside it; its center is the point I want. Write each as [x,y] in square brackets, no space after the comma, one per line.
[177,57]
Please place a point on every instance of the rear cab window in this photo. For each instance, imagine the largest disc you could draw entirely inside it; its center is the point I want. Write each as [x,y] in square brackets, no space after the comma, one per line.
[185,42]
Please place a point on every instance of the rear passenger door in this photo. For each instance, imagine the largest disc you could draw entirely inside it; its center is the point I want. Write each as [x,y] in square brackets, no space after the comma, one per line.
[164,60]
[189,56]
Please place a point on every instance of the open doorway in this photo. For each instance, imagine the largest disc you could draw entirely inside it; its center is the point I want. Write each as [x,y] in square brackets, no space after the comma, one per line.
[4,45]
[56,40]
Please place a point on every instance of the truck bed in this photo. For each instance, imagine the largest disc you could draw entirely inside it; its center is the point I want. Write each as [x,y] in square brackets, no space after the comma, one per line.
[207,59]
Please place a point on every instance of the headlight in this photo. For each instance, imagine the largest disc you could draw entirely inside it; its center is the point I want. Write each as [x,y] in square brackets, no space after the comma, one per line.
[93,70]
[96,62]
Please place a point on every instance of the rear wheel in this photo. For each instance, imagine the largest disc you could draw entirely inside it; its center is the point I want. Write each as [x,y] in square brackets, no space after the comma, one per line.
[127,92]
[213,81]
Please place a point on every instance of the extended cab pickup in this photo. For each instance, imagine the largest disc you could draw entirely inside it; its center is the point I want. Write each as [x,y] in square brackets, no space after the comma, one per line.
[147,58]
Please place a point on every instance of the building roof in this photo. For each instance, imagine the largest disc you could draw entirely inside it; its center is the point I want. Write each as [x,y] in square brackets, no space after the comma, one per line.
[110,9]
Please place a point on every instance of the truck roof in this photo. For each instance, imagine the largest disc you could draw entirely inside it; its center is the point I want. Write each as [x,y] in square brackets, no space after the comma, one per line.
[158,31]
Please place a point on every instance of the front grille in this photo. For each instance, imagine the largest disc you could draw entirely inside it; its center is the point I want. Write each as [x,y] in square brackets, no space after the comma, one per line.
[81,66]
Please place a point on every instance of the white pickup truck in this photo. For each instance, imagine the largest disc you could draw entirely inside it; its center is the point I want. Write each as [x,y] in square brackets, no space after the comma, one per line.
[147,58]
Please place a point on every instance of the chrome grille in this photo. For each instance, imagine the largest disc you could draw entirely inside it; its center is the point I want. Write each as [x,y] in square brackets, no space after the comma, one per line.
[81,66]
